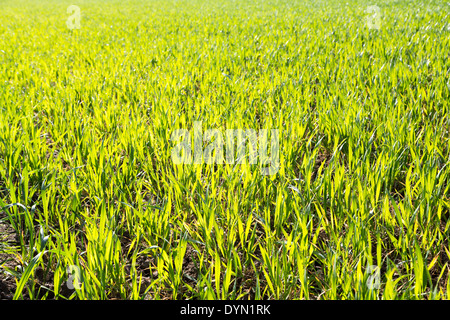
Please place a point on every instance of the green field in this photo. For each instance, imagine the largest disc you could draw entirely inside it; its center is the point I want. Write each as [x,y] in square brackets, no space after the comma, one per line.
[92,205]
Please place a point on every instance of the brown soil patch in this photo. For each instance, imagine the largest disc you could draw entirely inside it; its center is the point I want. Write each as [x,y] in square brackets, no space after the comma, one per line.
[7,260]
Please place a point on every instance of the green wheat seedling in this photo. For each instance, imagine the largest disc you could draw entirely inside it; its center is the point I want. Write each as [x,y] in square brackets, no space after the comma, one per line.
[96,208]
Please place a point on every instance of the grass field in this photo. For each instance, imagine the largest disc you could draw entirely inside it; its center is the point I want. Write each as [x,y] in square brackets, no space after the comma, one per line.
[92,205]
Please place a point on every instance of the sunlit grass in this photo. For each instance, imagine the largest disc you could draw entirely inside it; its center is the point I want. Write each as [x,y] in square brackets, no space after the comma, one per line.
[87,178]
